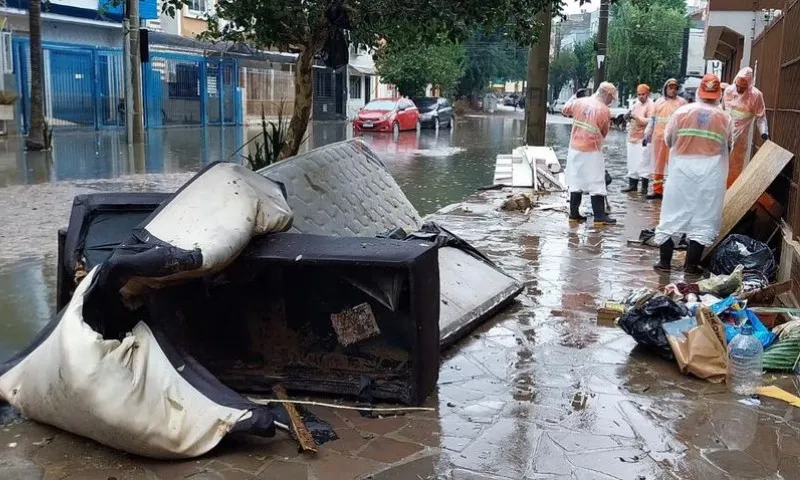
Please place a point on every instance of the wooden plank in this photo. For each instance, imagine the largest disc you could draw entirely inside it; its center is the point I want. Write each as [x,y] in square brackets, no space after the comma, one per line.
[301,433]
[759,174]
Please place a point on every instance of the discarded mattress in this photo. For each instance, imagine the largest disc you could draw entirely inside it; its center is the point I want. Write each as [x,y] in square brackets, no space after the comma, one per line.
[344,189]
[100,371]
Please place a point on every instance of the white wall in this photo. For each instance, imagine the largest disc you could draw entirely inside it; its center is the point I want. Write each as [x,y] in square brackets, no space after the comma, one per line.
[695,63]
[99,34]
[748,24]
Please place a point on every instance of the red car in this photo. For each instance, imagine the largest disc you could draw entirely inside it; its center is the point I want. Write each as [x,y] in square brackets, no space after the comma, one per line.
[387,115]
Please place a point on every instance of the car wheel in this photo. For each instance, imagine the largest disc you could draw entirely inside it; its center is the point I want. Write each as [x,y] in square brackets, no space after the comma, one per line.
[396,128]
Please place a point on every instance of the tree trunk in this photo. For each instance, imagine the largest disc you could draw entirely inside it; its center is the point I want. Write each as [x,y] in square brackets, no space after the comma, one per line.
[536,101]
[303,89]
[35,140]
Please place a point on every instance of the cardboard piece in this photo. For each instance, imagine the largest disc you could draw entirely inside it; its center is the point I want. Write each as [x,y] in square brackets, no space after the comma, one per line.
[699,345]
[759,174]
[608,314]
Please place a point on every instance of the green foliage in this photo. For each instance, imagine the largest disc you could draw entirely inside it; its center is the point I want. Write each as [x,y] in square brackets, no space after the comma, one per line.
[412,65]
[644,43]
[585,62]
[561,72]
[273,134]
[576,65]
[490,57]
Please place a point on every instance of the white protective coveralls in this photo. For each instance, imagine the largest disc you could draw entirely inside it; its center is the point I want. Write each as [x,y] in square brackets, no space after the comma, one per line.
[586,169]
[699,137]
[745,108]
[639,157]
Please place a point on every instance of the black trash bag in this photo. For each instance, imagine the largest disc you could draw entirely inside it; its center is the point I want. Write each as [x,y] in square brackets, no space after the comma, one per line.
[643,322]
[745,251]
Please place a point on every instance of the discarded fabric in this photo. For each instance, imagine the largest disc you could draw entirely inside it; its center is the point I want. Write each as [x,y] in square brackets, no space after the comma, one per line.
[723,285]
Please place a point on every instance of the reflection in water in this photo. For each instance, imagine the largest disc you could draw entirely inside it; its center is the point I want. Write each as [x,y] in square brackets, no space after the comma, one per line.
[27,298]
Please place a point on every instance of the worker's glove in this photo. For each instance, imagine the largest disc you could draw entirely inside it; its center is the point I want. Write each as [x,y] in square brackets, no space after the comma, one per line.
[644,142]
[764,136]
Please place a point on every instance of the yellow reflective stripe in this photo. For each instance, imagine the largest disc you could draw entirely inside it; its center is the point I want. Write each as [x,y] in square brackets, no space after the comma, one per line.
[586,126]
[740,114]
[694,132]
[662,119]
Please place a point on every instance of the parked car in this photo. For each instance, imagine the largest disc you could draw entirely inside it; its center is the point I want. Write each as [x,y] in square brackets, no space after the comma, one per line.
[511,100]
[558,106]
[387,115]
[434,112]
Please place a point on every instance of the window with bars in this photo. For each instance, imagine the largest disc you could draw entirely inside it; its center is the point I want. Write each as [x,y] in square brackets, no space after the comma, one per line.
[198,6]
[323,82]
[355,87]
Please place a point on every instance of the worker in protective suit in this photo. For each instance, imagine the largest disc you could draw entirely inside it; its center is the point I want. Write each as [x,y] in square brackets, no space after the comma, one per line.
[654,134]
[745,103]
[638,117]
[699,136]
[586,171]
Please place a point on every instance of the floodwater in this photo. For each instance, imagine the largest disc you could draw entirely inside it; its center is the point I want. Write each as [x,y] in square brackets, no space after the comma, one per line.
[538,392]
[435,168]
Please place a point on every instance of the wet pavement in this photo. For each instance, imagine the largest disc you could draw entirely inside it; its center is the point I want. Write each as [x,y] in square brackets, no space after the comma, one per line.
[538,392]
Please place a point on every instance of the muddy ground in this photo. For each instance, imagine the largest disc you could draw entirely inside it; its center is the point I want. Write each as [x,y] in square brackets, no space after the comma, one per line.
[539,392]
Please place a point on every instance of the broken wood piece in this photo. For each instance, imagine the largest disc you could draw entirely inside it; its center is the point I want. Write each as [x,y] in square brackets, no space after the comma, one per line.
[766,296]
[759,174]
[301,433]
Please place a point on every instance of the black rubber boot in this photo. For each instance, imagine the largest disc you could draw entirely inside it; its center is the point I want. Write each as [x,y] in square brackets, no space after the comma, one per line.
[633,185]
[655,196]
[645,186]
[575,207]
[694,254]
[665,256]
[599,208]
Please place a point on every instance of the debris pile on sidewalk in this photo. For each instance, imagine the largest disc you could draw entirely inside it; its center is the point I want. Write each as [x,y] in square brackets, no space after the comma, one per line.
[692,323]
[171,307]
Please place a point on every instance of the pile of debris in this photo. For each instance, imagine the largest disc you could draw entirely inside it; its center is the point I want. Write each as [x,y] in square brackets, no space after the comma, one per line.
[530,167]
[692,323]
[315,274]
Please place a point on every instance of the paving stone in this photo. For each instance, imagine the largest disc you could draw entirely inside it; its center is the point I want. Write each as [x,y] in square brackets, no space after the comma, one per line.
[425,468]
[331,465]
[549,458]
[387,450]
[505,449]
[279,470]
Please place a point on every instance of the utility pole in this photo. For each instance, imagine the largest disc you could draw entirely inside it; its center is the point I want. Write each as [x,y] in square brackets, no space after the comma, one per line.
[134,118]
[602,41]
[126,65]
[536,92]
[136,73]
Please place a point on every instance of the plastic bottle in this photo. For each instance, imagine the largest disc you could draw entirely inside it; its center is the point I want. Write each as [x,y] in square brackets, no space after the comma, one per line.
[745,362]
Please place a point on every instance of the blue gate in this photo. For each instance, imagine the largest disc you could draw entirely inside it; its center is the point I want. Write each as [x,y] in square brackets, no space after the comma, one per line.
[82,86]
[183,89]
